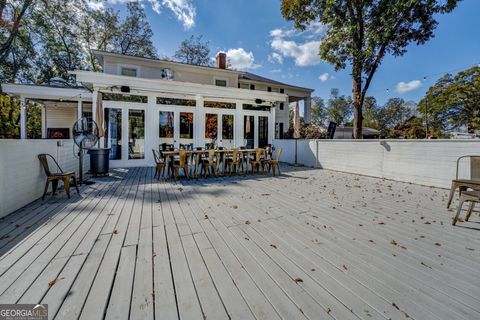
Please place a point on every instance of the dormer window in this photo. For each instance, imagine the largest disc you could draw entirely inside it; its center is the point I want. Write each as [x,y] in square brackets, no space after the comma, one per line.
[128,71]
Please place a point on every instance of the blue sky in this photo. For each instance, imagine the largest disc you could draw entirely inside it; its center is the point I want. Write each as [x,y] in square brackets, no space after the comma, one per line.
[259,40]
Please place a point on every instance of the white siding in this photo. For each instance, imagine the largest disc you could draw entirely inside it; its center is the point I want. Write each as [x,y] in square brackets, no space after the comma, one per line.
[61,117]
[21,177]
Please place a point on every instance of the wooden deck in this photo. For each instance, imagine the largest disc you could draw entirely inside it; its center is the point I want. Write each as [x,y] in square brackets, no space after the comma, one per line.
[310,244]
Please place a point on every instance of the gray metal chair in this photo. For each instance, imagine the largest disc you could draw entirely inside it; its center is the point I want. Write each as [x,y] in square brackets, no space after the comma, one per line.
[463,184]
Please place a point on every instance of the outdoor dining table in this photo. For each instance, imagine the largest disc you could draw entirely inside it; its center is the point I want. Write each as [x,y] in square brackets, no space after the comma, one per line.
[169,156]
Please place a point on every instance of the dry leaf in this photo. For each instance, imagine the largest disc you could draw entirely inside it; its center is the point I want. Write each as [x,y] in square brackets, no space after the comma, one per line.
[393,242]
[52,283]
[345,267]
[247,222]
[403,247]
[437,244]
[154,254]
[115,231]
[297,280]
[273,246]
[235,206]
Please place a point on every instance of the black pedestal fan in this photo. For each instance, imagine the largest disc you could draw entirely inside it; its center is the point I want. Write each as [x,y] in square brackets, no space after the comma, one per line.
[85,136]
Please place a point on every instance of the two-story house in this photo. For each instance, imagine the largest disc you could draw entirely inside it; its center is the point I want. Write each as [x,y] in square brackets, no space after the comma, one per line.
[141,103]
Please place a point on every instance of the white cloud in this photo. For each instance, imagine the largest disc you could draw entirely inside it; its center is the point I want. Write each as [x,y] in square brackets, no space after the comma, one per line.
[183,10]
[305,54]
[403,87]
[275,58]
[241,59]
[324,77]
[290,43]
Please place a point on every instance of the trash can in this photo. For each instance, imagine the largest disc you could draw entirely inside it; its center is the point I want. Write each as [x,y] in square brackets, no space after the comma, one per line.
[99,161]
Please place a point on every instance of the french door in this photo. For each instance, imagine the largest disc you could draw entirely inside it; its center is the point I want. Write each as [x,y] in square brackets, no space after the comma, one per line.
[125,133]
[256,129]
[220,127]
[175,126]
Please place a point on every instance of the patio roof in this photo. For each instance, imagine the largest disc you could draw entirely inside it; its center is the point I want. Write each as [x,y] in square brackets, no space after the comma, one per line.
[47,92]
[310,244]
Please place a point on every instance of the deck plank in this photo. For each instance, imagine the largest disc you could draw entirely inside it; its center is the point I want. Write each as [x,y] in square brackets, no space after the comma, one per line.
[134,247]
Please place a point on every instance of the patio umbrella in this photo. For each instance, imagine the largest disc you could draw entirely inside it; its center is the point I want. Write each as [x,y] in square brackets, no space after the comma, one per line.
[99,116]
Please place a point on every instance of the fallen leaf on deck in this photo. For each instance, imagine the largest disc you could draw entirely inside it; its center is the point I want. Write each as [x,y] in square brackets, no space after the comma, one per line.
[154,254]
[273,246]
[297,280]
[180,189]
[345,267]
[52,283]
[247,222]
[393,242]
[234,206]
[115,231]
[403,247]
[437,244]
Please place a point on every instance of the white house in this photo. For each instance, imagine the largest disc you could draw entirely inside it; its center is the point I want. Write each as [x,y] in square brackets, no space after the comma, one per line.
[146,102]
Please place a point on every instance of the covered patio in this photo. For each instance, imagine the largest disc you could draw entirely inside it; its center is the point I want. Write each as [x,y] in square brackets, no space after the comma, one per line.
[309,244]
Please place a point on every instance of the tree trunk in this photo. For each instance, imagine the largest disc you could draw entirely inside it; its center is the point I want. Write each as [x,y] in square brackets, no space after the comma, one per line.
[358,120]
[357,104]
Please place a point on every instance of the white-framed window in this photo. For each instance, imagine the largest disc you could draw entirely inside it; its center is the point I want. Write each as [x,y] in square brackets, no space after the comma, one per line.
[128,70]
[220,82]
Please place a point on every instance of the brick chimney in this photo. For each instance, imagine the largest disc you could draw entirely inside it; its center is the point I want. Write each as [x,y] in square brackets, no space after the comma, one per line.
[221,59]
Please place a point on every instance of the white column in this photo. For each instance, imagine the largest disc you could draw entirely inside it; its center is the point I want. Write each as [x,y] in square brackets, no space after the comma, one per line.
[79,108]
[199,137]
[44,122]
[307,106]
[271,123]
[23,118]
[238,126]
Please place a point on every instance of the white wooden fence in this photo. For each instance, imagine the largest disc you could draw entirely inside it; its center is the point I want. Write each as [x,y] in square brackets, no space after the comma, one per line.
[22,179]
[426,162]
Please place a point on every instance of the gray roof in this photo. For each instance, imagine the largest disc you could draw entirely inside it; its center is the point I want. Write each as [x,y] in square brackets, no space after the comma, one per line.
[257,78]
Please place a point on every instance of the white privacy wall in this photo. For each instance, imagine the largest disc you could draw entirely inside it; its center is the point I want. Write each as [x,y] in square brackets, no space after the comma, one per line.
[427,162]
[22,178]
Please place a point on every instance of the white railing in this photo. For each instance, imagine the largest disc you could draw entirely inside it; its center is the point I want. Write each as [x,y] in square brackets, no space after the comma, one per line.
[427,162]
[22,179]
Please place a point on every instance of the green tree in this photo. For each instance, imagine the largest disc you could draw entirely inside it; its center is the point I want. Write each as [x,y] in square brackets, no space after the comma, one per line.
[194,51]
[98,30]
[453,102]
[339,108]
[394,112]
[318,112]
[9,118]
[359,33]
[371,113]
[135,34]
